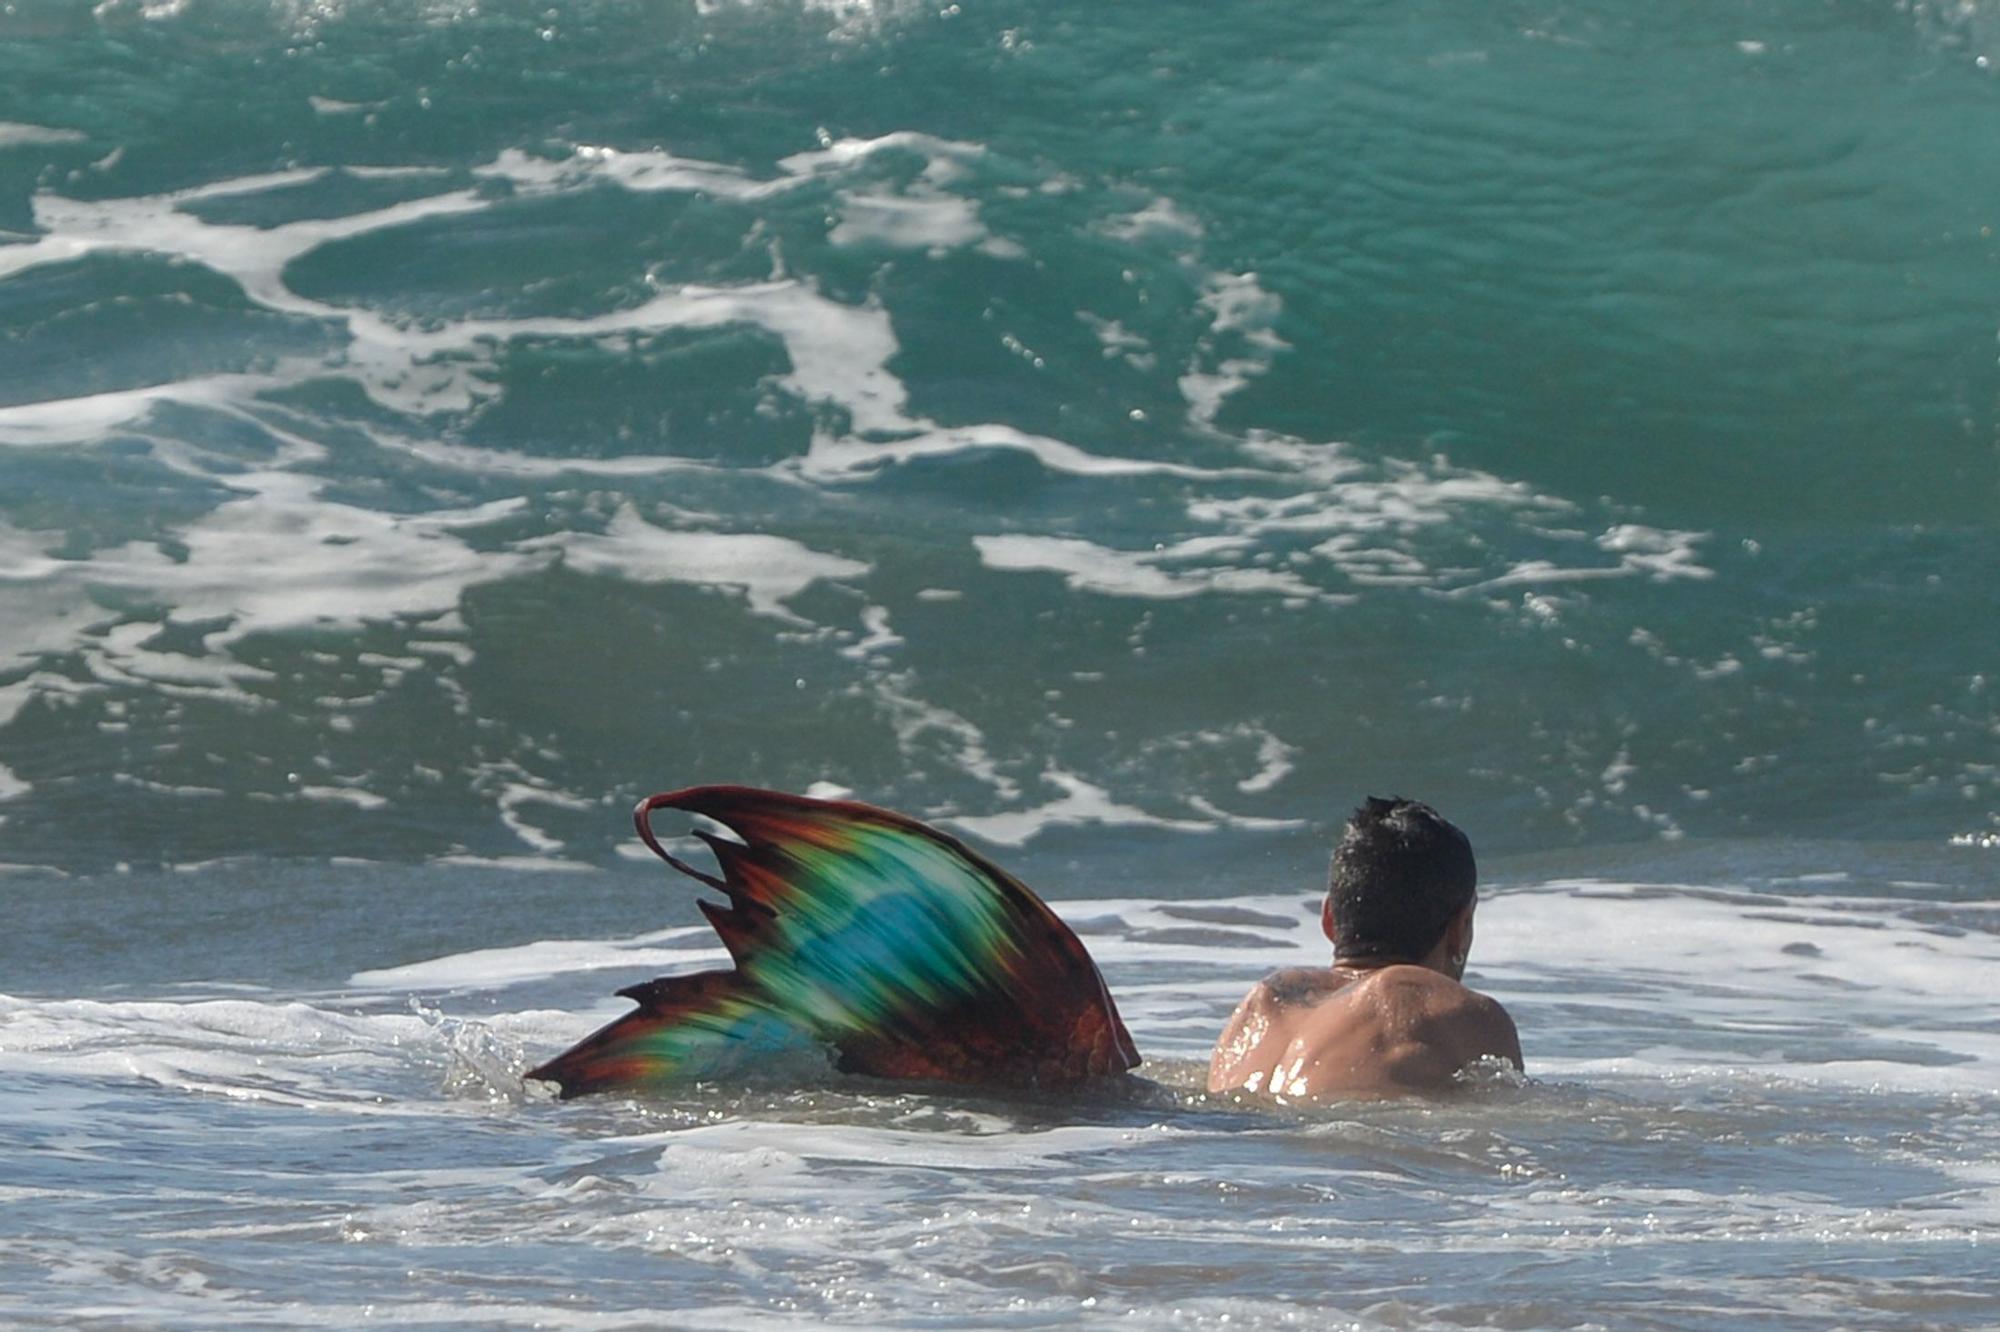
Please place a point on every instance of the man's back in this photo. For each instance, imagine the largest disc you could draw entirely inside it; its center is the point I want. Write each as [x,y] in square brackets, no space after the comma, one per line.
[1312,1033]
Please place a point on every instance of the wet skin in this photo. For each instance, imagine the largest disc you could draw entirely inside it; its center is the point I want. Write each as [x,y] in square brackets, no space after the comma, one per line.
[1386,1027]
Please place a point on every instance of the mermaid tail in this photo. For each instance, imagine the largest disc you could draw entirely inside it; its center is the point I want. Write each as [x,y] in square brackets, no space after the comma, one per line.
[908,954]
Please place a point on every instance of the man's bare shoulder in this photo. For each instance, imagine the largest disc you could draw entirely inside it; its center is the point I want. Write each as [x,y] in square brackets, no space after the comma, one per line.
[1262,1024]
[1297,987]
[1425,995]
[1281,1000]
[1426,1012]
[1322,1032]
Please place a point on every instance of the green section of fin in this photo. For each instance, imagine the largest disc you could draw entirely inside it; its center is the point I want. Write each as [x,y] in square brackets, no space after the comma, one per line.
[906,952]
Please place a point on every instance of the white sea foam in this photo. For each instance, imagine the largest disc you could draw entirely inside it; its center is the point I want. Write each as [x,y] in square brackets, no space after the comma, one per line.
[835,458]
[717,1150]
[924,729]
[528,864]
[1087,566]
[1080,803]
[932,222]
[878,639]
[1892,1001]
[641,172]
[341,795]
[527,467]
[58,421]
[282,1053]
[1646,552]
[41,613]
[1243,314]
[837,155]
[768,570]
[319,562]
[1348,496]
[1275,758]
[690,947]
[15,134]
[1160,215]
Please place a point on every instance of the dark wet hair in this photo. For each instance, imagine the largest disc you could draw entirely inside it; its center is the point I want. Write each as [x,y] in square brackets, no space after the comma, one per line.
[1400,873]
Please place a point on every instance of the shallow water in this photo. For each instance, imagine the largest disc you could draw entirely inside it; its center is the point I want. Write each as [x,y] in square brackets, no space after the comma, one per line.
[1126,436]
[1771,1100]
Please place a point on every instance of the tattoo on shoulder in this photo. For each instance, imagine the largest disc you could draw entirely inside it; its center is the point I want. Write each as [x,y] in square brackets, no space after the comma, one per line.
[1297,985]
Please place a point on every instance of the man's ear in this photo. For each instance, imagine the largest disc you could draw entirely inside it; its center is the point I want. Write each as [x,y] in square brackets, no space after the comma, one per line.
[1326,919]
[1458,934]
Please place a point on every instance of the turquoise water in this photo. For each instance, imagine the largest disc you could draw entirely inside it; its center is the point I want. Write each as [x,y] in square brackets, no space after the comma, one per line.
[1124,435]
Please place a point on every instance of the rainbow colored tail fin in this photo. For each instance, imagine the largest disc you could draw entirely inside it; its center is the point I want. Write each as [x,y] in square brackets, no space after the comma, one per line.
[908,954]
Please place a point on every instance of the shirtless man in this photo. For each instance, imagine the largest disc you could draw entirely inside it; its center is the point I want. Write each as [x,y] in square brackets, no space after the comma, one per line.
[1389,1017]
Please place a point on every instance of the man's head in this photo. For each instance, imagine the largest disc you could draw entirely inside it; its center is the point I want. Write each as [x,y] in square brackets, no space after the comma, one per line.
[1401,877]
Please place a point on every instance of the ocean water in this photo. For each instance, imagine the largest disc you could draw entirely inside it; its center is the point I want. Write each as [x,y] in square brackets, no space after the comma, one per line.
[1124,435]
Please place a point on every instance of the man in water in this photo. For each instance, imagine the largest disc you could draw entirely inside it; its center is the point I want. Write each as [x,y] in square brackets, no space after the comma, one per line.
[1389,1017]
